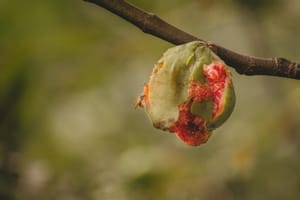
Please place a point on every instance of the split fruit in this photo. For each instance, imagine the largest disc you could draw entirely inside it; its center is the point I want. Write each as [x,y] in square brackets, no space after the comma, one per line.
[190,93]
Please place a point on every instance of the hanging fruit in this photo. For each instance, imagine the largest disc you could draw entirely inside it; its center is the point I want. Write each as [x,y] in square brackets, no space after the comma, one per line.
[190,93]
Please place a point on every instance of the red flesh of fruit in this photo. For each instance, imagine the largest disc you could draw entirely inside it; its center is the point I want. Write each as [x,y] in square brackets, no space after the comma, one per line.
[188,127]
[191,128]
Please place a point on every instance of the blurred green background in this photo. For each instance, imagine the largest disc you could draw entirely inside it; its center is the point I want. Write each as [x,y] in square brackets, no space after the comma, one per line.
[70,73]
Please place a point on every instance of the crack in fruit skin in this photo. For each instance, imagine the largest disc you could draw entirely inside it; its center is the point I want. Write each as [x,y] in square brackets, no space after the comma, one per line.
[213,88]
[191,128]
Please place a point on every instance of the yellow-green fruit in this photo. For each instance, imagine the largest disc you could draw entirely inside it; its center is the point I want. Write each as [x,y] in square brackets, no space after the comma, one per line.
[190,92]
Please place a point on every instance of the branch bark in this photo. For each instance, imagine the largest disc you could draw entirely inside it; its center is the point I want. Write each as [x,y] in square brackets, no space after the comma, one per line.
[243,64]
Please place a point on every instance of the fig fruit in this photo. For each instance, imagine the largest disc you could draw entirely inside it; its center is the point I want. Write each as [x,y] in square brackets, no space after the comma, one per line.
[190,92]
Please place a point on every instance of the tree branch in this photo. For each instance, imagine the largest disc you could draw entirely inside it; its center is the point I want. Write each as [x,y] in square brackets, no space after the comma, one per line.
[152,24]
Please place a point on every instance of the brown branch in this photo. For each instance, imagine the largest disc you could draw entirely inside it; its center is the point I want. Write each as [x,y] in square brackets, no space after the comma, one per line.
[152,24]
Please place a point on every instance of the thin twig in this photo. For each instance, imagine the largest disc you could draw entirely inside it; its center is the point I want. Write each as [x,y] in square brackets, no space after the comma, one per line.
[152,24]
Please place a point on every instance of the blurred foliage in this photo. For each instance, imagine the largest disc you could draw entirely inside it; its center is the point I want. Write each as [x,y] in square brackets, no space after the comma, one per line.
[70,73]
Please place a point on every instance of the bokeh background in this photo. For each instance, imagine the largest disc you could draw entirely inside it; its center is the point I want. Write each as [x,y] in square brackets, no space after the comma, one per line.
[70,73]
